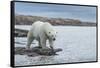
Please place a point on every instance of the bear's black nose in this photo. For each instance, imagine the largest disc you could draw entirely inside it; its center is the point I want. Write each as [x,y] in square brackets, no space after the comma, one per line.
[54,39]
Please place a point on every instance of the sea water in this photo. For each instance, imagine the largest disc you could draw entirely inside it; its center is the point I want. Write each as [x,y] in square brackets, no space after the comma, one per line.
[78,44]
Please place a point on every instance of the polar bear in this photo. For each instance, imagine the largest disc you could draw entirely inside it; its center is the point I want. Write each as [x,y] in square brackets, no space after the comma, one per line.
[41,31]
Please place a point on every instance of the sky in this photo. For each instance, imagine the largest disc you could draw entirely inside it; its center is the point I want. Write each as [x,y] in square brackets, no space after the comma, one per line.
[83,13]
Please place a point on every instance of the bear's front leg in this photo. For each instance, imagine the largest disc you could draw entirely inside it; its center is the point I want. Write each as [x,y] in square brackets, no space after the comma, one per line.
[43,43]
[51,45]
[39,43]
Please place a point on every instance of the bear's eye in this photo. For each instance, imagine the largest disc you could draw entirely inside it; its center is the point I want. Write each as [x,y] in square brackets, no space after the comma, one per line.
[49,32]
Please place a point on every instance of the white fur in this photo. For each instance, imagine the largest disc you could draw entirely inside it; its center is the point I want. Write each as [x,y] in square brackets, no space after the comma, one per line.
[41,31]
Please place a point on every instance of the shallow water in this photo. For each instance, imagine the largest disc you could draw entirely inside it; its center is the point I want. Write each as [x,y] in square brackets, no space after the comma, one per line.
[78,45]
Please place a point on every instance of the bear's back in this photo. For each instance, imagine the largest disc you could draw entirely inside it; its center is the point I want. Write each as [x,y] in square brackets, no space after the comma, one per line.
[48,26]
[36,28]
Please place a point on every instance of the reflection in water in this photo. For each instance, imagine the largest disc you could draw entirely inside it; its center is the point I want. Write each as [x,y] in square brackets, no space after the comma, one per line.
[46,58]
[41,59]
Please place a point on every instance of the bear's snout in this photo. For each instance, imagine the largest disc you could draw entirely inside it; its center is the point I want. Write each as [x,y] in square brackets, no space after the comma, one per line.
[54,39]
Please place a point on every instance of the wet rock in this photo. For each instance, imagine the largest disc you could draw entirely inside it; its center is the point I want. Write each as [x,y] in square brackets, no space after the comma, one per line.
[36,51]
[20,33]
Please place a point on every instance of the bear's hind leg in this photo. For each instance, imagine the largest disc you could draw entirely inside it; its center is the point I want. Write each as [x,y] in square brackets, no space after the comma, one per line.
[29,41]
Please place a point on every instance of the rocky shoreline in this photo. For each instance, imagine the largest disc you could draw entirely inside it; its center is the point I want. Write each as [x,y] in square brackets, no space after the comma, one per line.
[28,20]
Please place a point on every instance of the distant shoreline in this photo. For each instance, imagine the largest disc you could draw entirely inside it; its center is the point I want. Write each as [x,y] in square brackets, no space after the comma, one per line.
[28,20]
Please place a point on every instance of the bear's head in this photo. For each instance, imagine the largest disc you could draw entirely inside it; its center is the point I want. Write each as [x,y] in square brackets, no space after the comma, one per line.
[52,35]
[50,31]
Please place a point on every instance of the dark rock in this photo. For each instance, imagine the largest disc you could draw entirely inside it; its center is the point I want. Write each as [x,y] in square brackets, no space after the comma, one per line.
[36,51]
